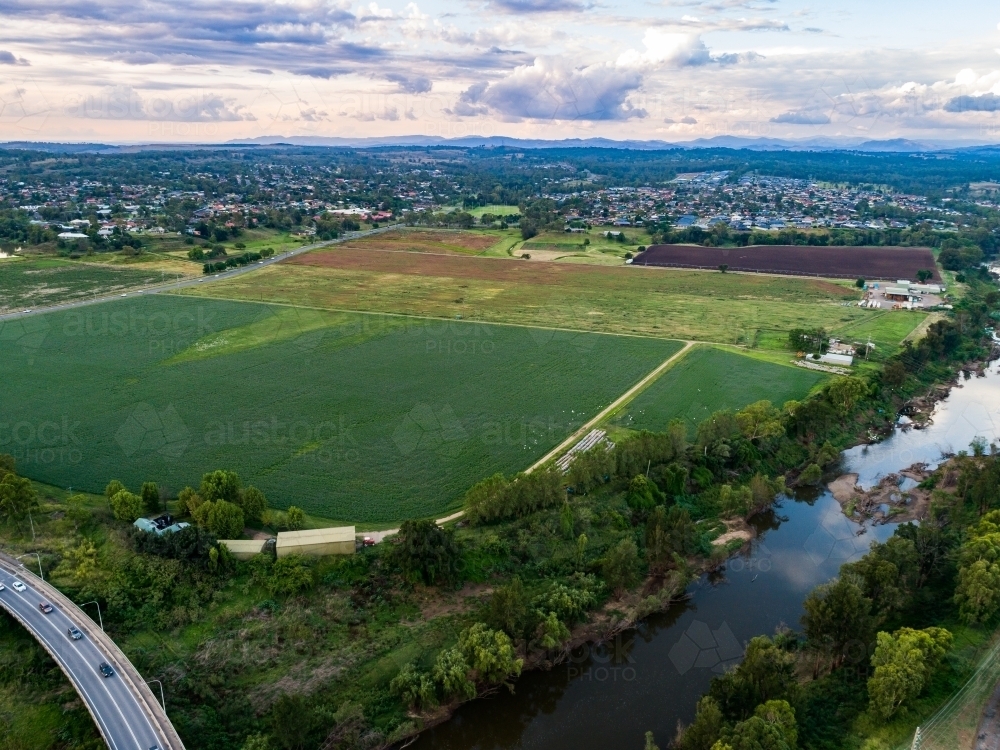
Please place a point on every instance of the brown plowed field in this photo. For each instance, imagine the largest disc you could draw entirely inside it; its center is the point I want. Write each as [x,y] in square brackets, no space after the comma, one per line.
[456,267]
[890,263]
[342,257]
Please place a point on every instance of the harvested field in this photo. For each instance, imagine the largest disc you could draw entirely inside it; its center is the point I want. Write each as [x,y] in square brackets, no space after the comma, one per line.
[352,257]
[51,281]
[728,308]
[422,241]
[837,262]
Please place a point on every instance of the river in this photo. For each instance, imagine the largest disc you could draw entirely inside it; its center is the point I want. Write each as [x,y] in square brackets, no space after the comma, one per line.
[651,677]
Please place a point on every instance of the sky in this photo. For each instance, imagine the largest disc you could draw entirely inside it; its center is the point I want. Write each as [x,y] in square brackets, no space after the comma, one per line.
[139,71]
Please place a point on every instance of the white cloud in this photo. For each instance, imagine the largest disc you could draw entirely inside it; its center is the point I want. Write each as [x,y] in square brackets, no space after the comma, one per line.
[666,49]
[551,89]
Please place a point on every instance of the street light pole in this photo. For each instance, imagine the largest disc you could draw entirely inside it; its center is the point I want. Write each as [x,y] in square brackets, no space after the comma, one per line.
[40,573]
[163,703]
[99,618]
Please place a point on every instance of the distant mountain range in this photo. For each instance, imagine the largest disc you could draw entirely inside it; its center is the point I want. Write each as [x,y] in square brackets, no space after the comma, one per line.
[895,145]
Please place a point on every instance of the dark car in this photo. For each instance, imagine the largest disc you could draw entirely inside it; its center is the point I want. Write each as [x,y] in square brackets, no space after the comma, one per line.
[106,669]
[45,607]
[74,633]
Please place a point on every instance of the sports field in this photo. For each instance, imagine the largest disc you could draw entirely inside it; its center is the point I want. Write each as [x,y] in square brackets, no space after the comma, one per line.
[708,379]
[361,418]
[726,308]
[49,281]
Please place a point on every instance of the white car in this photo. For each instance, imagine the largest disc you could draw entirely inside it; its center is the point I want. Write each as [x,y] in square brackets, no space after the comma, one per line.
[18,586]
[2,587]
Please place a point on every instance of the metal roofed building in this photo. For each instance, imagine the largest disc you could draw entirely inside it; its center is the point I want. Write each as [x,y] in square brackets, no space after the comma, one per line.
[333,541]
[244,549]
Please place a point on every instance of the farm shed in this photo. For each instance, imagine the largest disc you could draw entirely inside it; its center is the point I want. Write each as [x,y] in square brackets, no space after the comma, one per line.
[244,549]
[897,293]
[333,541]
[832,358]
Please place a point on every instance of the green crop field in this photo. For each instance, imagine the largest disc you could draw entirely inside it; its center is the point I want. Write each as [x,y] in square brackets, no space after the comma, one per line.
[50,281]
[708,379]
[365,418]
[497,209]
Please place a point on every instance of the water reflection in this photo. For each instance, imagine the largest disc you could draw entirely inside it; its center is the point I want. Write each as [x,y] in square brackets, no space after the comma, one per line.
[651,677]
[971,410]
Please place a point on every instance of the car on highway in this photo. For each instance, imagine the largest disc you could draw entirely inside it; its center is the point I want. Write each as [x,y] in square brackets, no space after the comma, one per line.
[2,587]
[106,669]
[45,607]
[74,633]
[18,586]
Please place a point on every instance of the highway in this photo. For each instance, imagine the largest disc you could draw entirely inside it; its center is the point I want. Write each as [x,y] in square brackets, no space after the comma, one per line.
[127,714]
[171,286]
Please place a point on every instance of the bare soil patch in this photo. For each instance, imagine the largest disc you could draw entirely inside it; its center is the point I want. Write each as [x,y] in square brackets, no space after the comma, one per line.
[889,263]
[736,528]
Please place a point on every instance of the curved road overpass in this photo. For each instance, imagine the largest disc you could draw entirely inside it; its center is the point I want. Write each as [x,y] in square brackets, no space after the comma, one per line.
[127,714]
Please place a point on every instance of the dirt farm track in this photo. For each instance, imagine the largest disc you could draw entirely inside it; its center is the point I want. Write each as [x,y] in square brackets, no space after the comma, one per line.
[888,263]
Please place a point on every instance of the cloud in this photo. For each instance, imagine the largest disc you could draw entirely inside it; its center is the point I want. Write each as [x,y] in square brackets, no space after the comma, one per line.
[8,58]
[294,34]
[135,58]
[313,115]
[671,49]
[551,89]
[984,103]
[125,103]
[793,117]
[320,72]
[262,71]
[667,49]
[411,84]
[537,6]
